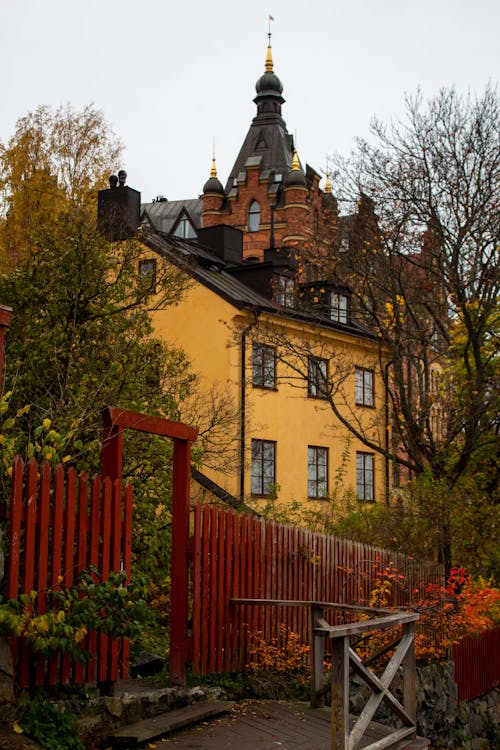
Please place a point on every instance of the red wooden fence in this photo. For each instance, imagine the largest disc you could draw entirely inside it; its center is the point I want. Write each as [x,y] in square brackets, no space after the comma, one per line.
[477,664]
[61,524]
[241,556]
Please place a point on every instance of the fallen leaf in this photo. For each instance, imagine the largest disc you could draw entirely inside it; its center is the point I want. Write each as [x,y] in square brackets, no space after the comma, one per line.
[17,729]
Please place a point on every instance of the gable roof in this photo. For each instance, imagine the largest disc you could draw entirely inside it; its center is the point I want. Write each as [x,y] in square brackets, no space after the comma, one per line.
[163,215]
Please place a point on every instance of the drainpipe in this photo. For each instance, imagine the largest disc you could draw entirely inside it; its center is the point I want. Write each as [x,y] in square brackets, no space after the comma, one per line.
[243,394]
[387,434]
[271,237]
[5,318]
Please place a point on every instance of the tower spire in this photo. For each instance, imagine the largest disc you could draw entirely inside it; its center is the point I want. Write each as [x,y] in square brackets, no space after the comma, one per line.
[269,55]
[213,170]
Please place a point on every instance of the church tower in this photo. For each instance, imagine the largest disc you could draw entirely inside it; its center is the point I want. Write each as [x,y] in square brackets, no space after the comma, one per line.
[268,194]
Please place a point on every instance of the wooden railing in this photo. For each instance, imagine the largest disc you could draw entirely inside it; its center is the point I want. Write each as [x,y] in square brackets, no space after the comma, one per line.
[347,735]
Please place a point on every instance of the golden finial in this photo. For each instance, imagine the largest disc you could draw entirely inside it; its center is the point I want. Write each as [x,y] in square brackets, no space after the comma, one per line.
[328,184]
[295,161]
[269,55]
[213,171]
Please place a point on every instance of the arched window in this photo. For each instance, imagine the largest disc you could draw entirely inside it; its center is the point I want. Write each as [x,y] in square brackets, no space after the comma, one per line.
[253,217]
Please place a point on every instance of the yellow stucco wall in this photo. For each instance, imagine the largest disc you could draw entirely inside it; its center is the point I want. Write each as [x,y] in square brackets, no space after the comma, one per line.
[209,330]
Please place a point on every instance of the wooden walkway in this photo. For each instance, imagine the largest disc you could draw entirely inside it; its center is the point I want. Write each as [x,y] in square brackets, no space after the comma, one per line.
[270,725]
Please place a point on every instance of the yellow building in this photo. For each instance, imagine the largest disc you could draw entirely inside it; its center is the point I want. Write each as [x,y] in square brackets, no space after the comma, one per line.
[297,373]
[291,368]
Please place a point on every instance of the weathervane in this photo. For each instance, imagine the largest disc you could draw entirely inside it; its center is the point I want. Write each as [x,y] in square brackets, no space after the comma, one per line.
[270,18]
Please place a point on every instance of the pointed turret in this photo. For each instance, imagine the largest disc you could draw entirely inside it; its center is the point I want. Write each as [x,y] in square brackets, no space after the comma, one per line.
[213,184]
[295,177]
[267,144]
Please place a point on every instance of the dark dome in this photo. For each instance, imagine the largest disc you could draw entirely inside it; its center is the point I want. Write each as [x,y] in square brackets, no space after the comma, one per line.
[269,83]
[213,185]
[295,178]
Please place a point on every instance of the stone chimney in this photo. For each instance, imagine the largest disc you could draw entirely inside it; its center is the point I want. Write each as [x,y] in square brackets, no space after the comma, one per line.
[118,209]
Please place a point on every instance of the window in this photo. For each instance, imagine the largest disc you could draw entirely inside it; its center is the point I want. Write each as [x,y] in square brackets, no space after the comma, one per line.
[263,366]
[263,467]
[339,307]
[364,476]
[364,387]
[147,273]
[253,217]
[317,471]
[184,229]
[284,291]
[317,377]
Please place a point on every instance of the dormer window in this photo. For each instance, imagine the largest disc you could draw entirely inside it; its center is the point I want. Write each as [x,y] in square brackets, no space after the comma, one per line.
[147,274]
[254,217]
[339,307]
[284,291]
[184,229]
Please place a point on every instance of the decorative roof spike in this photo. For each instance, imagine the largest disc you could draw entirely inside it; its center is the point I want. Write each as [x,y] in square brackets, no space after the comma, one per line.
[269,55]
[213,171]
[328,184]
[295,161]
[269,59]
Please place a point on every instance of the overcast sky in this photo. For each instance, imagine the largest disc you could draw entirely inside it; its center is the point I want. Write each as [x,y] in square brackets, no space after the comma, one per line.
[172,75]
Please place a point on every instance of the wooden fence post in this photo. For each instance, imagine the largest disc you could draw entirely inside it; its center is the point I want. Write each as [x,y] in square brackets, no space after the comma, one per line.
[179,644]
[340,693]
[410,674]
[317,657]
[5,317]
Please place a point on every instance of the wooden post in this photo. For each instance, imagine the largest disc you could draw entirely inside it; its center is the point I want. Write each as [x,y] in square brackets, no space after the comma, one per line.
[410,674]
[179,645]
[317,657]
[5,318]
[340,694]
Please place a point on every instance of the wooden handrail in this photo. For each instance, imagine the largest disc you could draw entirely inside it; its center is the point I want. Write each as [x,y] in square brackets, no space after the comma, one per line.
[343,737]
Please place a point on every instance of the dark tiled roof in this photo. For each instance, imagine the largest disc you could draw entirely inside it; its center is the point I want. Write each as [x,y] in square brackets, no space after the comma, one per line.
[207,268]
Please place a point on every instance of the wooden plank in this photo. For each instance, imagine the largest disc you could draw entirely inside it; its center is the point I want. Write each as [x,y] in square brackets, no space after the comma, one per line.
[151,729]
[127,562]
[212,620]
[28,582]
[228,552]
[95,525]
[197,572]
[56,556]
[179,644]
[43,556]
[103,639]
[16,514]
[69,554]
[81,556]
[116,564]
[340,695]
[220,590]
[133,420]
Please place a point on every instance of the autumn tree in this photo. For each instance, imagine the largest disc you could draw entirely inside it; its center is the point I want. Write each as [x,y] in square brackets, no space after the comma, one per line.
[425,277]
[81,336]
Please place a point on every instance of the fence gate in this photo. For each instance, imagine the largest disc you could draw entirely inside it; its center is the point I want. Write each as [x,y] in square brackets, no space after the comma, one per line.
[61,523]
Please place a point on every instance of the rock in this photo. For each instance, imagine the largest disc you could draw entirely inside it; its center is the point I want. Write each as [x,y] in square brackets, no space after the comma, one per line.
[147,664]
[6,673]
[114,706]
